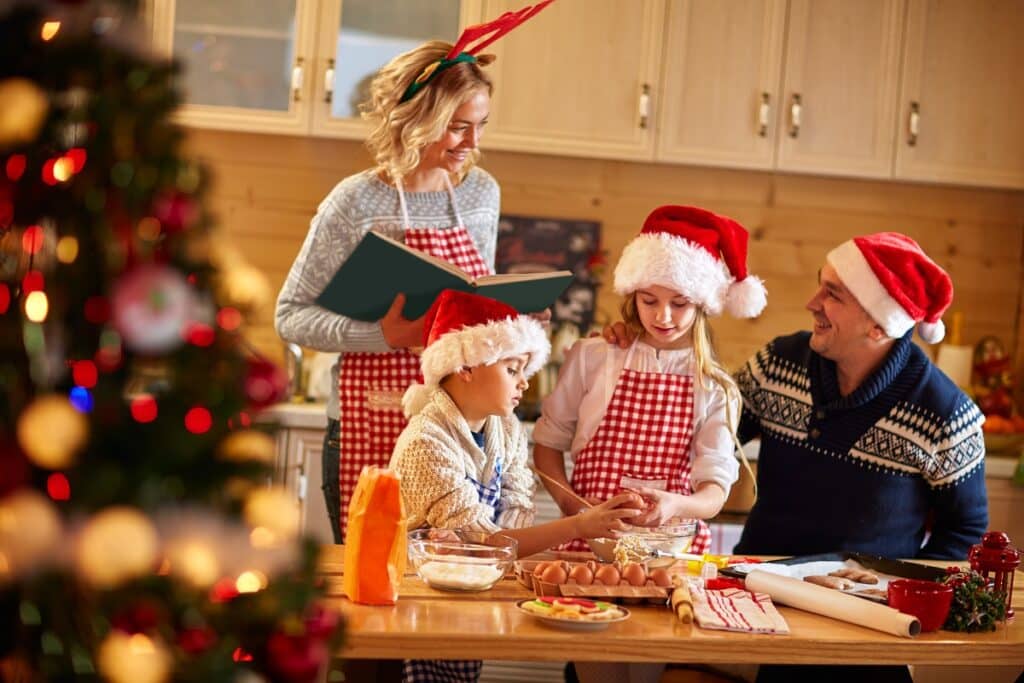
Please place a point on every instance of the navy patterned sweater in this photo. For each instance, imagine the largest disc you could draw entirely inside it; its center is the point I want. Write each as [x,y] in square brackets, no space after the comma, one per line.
[872,472]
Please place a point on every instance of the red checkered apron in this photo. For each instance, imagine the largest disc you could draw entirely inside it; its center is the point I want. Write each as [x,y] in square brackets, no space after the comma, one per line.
[643,439]
[370,385]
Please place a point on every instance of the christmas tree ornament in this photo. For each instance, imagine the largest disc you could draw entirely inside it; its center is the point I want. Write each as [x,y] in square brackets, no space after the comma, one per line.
[51,432]
[265,383]
[23,108]
[275,510]
[247,445]
[118,544]
[30,533]
[135,658]
[175,211]
[151,305]
[296,658]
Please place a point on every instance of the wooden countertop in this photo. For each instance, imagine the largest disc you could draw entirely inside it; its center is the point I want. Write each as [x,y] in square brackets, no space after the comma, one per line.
[432,624]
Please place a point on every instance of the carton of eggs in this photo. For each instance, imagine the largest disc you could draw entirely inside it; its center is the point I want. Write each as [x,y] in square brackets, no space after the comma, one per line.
[592,579]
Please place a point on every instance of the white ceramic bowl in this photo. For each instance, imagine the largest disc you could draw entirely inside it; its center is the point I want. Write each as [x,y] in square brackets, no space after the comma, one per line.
[460,560]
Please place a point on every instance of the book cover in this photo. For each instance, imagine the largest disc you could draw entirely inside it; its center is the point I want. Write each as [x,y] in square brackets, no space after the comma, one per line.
[380,268]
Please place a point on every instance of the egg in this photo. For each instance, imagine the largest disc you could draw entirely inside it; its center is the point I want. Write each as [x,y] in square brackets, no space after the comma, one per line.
[582,575]
[540,567]
[554,573]
[661,578]
[634,574]
[607,575]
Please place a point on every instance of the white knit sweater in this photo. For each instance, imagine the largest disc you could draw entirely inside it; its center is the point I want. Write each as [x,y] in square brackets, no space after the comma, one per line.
[435,456]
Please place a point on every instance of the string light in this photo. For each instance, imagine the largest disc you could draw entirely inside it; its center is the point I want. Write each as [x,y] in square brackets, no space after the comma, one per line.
[32,239]
[149,229]
[251,582]
[81,399]
[144,408]
[84,373]
[229,318]
[5,297]
[49,30]
[37,306]
[15,167]
[58,487]
[198,420]
[67,249]
[63,169]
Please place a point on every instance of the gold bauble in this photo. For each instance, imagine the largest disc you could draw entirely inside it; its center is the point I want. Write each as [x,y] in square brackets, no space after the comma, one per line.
[30,532]
[133,658]
[118,544]
[273,509]
[195,560]
[23,107]
[51,431]
[248,445]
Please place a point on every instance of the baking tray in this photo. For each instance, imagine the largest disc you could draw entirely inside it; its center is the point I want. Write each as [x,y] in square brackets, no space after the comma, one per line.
[884,565]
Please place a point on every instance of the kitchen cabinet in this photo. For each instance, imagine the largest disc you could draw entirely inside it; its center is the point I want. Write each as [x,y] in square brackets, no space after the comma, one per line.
[720,82]
[577,79]
[963,93]
[290,66]
[840,82]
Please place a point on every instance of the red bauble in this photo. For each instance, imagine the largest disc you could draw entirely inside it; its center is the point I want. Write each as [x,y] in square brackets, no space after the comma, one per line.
[175,211]
[296,659]
[195,641]
[265,383]
[320,621]
[141,617]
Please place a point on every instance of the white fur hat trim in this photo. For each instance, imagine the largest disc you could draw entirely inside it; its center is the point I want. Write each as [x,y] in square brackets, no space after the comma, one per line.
[478,345]
[855,272]
[680,265]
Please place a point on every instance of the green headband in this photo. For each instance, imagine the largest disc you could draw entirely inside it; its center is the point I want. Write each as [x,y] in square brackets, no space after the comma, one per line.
[431,71]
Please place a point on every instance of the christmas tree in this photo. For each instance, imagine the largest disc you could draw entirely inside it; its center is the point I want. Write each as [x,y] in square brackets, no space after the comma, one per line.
[140,539]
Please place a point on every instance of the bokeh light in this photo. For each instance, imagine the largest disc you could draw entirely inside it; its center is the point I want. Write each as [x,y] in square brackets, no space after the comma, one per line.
[51,431]
[58,486]
[67,249]
[144,408]
[37,307]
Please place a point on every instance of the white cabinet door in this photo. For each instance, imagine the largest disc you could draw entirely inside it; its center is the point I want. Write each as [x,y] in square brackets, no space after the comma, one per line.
[246,62]
[840,83]
[720,82]
[578,79]
[963,89]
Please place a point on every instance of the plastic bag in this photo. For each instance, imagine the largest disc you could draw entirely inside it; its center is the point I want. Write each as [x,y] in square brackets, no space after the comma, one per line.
[375,539]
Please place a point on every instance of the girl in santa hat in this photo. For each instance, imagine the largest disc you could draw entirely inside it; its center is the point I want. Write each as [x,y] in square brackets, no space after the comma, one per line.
[462,459]
[658,417]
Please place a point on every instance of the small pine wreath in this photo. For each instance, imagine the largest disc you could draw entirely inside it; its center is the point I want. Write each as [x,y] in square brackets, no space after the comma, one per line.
[975,606]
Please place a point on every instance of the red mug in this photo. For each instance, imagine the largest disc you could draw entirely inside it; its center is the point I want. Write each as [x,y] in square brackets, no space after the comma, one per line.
[929,601]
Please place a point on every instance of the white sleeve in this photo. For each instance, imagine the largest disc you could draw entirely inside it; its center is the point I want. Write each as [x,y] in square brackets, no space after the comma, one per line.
[714,456]
[556,426]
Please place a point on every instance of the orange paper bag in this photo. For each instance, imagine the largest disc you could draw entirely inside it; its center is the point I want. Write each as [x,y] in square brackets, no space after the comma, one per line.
[375,541]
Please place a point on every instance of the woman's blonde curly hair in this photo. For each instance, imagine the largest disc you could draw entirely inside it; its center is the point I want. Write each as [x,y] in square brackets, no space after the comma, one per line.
[402,129]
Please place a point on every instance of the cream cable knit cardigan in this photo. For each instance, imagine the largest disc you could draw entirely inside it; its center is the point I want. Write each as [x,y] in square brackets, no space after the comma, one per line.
[436,453]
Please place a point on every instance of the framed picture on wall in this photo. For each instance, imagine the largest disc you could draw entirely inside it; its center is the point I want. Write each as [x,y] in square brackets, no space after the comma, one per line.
[528,244]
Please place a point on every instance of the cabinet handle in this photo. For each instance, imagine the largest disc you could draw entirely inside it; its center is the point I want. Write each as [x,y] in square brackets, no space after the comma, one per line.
[329,82]
[297,80]
[913,123]
[763,110]
[644,106]
[795,107]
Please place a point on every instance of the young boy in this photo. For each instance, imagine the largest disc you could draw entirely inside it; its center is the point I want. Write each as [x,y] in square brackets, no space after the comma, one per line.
[463,457]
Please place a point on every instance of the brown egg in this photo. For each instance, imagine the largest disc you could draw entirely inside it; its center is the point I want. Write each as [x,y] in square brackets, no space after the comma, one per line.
[540,567]
[582,575]
[661,578]
[554,574]
[634,574]
[607,575]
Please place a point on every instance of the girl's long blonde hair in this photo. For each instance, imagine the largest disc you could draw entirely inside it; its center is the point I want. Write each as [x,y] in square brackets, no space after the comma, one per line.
[402,129]
[709,369]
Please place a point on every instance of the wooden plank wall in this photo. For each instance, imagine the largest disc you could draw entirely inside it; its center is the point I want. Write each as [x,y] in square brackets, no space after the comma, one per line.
[268,187]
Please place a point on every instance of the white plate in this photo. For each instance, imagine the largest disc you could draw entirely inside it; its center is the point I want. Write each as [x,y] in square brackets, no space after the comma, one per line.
[572,624]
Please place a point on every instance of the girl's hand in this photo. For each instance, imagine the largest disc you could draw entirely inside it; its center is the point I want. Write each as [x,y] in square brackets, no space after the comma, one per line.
[573,506]
[399,332]
[660,506]
[607,520]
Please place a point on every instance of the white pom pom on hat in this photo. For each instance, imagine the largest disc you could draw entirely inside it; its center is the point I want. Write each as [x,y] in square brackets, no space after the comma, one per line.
[695,252]
[896,283]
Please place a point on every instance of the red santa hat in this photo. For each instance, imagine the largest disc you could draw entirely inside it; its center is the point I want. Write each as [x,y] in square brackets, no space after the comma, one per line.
[896,283]
[697,253]
[466,330]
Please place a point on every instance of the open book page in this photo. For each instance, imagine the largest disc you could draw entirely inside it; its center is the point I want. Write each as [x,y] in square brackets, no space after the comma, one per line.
[503,278]
[440,263]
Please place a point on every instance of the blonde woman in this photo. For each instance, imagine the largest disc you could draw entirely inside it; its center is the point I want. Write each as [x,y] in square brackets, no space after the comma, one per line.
[657,418]
[428,114]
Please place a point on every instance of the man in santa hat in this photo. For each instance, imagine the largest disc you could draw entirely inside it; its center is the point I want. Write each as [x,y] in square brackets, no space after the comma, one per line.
[865,444]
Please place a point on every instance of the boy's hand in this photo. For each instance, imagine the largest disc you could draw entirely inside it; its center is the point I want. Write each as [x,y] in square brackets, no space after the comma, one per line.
[618,334]
[607,520]
[659,506]
[399,332]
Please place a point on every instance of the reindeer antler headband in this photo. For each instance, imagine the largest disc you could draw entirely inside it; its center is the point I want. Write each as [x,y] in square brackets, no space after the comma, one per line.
[462,52]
